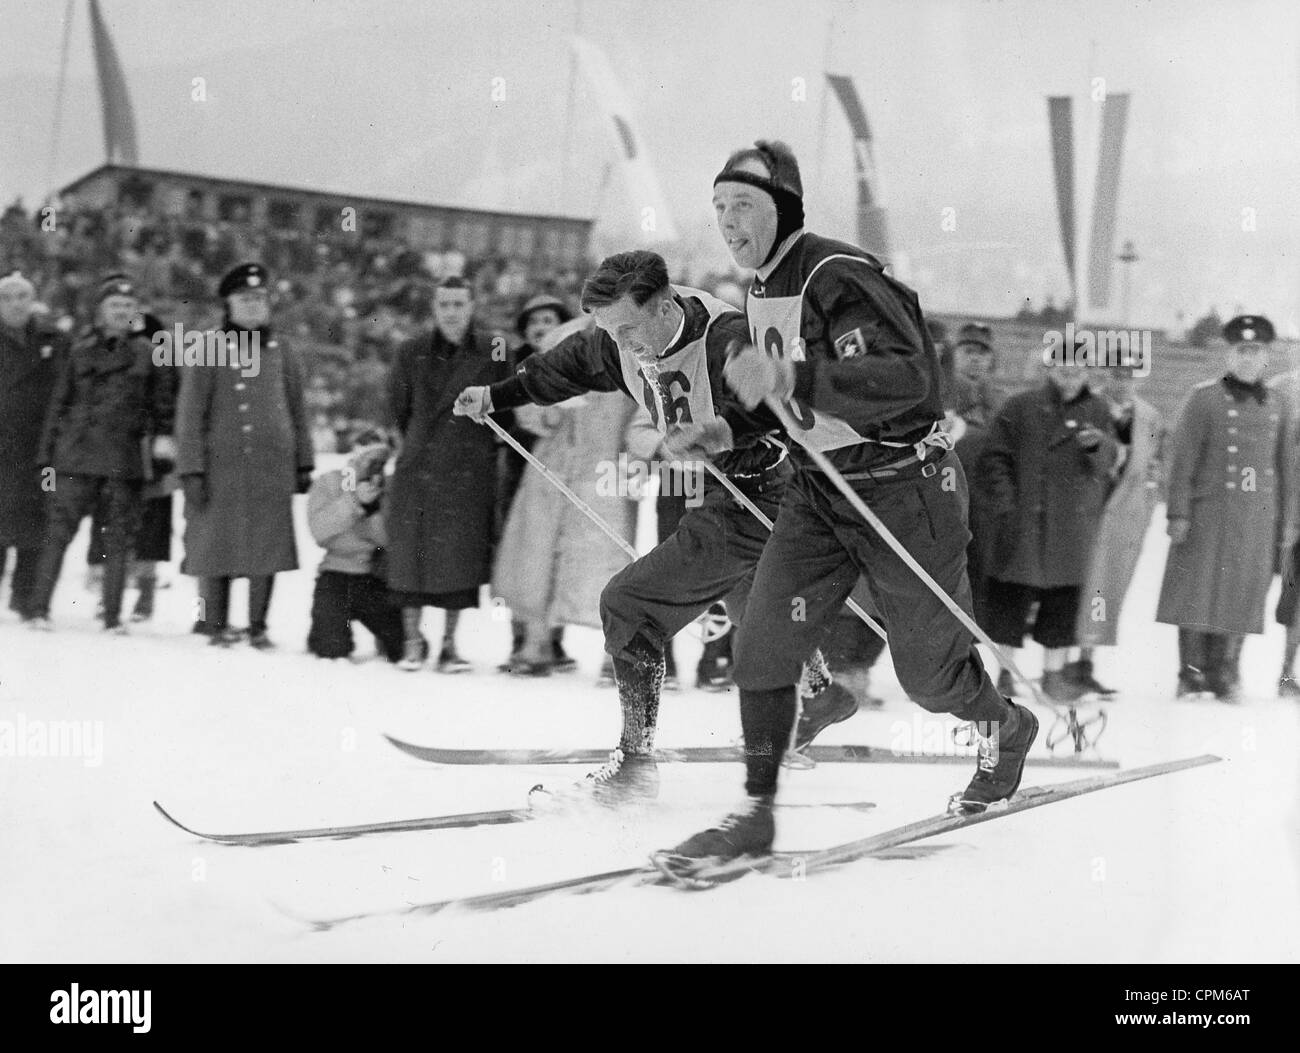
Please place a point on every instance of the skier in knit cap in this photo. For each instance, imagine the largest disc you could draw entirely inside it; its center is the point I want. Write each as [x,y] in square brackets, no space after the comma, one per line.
[845,348]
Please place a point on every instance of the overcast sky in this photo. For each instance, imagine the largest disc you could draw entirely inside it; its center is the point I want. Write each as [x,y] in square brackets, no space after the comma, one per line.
[395,99]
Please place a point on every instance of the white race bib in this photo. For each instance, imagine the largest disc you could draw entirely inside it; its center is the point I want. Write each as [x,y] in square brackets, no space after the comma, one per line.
[775,325]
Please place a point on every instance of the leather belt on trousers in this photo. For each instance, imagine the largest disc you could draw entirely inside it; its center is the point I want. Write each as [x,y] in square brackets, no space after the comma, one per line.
[893,468]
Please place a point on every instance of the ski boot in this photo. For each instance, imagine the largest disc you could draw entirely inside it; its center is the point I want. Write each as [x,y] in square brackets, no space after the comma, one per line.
[722,851]
[1002,758]
[823,702]
[560,660]
[834,704]
[414,652]
[625,779]
[450,662]
[1288,688]
[1080,671]
[260,641]
[1191,684]
[1060,687]
[1224,690]
[523,666]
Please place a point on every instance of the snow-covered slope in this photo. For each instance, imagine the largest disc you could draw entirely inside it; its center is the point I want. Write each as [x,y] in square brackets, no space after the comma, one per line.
[1197,866]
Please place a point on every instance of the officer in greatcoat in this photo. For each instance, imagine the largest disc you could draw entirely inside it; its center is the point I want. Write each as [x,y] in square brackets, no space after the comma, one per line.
[244,450]
[1232,473]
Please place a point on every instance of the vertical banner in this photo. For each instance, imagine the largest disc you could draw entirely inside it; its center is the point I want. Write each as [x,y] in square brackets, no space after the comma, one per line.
[114,100]
[1061,122]
[873,232]
[1101,248]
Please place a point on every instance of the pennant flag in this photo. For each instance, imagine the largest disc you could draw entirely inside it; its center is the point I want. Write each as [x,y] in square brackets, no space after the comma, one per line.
[1060,120]
[1101,249]
[115,101]
[873,232]
[649,213]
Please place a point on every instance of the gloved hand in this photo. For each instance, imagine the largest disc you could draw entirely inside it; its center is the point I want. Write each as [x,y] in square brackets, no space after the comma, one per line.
[474,403]
[303,483]
[753,375]
[368,495]
[1178,528]
[196,492]
[692,442]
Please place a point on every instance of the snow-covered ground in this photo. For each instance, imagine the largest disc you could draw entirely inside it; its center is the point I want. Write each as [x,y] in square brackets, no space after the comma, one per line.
[1203,865]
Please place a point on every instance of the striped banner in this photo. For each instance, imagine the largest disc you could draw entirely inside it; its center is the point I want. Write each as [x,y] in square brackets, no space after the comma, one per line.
[873,232]
[1060,119]
[1105,202]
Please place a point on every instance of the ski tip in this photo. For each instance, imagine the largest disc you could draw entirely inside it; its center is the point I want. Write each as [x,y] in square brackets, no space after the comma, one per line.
[170,818]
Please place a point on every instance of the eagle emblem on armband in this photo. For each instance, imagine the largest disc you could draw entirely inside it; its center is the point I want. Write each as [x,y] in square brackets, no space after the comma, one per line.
[851,344]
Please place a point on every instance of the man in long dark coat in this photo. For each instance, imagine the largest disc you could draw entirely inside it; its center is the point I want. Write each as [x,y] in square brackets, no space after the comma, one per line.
[108,406]
[443,491]
[1047,467]
[31,355]
[243,450]
[1232,473]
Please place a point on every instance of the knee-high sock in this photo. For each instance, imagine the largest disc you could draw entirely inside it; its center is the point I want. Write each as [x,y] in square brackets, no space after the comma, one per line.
[767,718]
[639,685]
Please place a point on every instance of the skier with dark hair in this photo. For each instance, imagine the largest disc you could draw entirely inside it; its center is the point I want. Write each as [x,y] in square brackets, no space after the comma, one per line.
[665,346]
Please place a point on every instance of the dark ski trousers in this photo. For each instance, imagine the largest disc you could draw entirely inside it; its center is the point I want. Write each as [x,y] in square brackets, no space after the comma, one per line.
[813,560]
[852,645]
[342,598]
[74,498]
[711,556]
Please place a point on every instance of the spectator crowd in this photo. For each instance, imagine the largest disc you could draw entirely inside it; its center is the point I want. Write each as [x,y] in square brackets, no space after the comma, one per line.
[1065,476]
